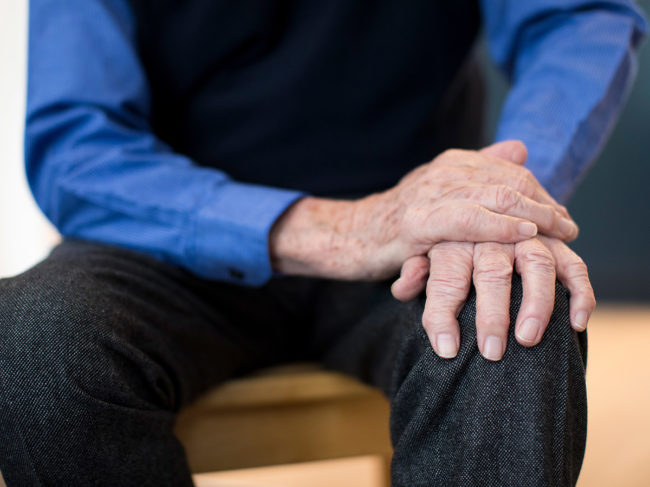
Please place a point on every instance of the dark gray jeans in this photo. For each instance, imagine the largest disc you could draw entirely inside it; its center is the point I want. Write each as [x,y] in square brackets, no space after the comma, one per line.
[100,347]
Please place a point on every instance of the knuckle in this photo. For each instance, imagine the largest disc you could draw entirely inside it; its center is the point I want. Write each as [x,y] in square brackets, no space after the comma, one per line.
[494,269]
[435,168]
[586,298]
[523,186]
[494,321]
[525,183]
[449,156]
[456,254]
[527,174]
[591,301]
[539,257]
[446,288]
[429,323]
[434,322]
[458,157]
[585,291]
[421,172]
[577,269]
[505,198]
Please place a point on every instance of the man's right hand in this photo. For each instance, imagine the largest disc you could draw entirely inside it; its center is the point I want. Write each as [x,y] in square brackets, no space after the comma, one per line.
[459,196]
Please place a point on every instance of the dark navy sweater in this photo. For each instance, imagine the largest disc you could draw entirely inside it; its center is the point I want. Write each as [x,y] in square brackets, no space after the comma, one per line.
[330,97]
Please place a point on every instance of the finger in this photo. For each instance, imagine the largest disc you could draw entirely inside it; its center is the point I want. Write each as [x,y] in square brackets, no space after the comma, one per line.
[572,272]
[545,197]
[565,212]
[535,263]
[527,184]
[510,150]
[413,278]
[523,181]
[506,200]
[486,167]
[515,151]
[462,221]
[449,281]
[496,163]
[492,280]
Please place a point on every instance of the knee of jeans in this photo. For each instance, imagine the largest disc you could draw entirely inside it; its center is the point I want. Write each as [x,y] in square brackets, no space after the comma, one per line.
[409,346]
[64,331]
[53,332]
[560,346]
[559,342]
[530,405]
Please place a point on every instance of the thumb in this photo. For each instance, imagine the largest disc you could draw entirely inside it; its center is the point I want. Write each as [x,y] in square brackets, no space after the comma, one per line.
[510,150]
[413,278]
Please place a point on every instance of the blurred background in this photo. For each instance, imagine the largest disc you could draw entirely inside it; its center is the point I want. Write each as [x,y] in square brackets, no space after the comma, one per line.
[25,235]
[612,206]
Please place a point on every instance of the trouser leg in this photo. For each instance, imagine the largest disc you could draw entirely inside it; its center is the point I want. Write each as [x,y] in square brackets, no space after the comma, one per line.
[100,347]
[465,421]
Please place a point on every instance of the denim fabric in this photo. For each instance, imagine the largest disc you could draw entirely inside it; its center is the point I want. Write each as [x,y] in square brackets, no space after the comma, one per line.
[100,347]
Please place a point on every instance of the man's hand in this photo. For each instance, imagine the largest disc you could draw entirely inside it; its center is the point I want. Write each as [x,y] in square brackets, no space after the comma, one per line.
[448,272]
[459,196]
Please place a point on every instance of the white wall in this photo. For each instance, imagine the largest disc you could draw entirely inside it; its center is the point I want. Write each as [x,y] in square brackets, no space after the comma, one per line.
[25,235]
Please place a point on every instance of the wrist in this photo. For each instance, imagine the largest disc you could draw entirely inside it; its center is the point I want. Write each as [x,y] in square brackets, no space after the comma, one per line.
[316,237]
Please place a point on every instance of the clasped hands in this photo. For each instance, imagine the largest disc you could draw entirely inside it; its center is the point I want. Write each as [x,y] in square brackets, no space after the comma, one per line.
[465,216]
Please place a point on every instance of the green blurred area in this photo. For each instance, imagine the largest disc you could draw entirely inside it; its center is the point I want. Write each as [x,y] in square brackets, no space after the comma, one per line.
[612,203]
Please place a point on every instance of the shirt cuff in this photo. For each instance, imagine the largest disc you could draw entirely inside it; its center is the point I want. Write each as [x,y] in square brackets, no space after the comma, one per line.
[228,237]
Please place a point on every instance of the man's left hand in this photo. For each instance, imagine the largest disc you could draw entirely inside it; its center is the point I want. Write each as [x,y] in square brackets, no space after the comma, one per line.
[447,273]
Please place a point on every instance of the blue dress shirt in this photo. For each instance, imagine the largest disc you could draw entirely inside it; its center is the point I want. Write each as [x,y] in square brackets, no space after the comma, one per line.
[98,171]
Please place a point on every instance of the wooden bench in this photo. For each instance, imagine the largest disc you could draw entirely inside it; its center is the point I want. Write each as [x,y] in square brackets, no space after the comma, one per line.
[290,414]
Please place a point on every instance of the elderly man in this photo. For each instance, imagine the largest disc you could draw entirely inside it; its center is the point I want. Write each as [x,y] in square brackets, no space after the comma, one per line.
[239,182]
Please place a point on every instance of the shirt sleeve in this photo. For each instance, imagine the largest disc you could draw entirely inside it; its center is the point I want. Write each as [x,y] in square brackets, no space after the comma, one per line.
[571,63]
[99,173]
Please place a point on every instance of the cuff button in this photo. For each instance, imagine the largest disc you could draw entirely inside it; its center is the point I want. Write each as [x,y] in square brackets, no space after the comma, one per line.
[235,273]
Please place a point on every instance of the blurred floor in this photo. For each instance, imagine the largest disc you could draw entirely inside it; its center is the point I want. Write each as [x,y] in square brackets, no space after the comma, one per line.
[618,381]
[349,472]
[618,446]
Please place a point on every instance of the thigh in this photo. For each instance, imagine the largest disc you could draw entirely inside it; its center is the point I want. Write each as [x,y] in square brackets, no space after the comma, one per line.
[93,295]
[100,346]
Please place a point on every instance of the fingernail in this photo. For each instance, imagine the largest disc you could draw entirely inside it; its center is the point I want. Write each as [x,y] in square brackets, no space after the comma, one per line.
[446,345]
[493,348]
[527,229]
[580,322]
[567,227]
[528,330]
